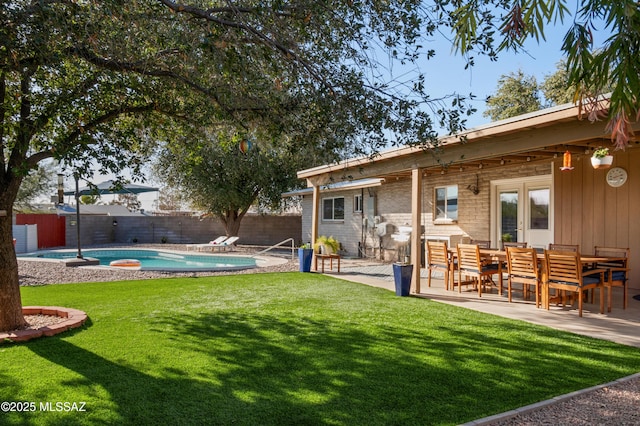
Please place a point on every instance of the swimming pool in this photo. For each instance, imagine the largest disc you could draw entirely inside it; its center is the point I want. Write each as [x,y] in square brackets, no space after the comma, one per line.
[155,260]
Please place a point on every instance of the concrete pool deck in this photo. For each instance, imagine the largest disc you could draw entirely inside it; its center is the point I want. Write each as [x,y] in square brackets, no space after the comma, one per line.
[620,325]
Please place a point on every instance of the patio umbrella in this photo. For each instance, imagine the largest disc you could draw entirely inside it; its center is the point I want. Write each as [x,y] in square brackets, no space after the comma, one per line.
[103,188]
[108,187]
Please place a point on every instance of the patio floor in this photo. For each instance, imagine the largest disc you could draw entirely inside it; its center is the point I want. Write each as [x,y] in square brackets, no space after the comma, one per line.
[619,325]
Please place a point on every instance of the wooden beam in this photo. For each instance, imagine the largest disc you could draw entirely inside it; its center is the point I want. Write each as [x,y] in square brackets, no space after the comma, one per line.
[560,134]
[314,219]
[416,234]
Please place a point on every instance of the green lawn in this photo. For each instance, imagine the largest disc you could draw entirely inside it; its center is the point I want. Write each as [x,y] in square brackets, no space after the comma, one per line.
[294,348]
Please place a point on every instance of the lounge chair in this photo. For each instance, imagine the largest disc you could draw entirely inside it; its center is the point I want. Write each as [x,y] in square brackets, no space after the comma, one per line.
[213,243]
[226,244]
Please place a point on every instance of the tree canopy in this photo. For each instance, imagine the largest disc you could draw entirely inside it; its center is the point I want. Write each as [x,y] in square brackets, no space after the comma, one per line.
[489,27]
[516,94]
[98,83]
[216,176]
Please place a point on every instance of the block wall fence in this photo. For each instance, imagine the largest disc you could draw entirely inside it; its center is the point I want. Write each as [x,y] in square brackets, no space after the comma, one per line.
[254,230]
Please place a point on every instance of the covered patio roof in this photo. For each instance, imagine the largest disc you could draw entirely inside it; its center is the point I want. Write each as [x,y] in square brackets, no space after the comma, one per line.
[538,136]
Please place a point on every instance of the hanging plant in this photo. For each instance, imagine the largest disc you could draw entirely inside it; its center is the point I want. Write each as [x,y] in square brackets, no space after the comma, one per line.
[601,158]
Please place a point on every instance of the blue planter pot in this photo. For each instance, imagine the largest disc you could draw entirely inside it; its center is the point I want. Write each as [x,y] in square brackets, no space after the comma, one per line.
[305,256]
[402,277]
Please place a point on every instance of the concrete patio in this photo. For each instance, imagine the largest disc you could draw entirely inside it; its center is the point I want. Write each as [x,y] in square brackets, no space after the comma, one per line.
[619,325]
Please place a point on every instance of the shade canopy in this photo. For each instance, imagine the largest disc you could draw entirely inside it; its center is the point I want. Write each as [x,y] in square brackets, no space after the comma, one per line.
[108,187]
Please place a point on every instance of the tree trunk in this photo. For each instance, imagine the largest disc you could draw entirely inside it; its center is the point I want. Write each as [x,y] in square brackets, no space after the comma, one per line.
[10,301]
[232,220]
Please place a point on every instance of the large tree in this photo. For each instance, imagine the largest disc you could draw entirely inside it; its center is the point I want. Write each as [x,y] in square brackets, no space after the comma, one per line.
[87,82]
[219,178]
[92,83]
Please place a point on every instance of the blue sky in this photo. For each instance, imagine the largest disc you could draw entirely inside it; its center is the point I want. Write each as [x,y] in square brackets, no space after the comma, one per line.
[538,59]
[446,73]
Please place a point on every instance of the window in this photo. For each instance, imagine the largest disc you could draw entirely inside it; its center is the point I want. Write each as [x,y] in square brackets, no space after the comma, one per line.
[357,203]
[539,208]
[446,203]
[333,208]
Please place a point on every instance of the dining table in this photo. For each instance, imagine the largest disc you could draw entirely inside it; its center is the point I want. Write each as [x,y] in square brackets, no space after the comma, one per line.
[587,260]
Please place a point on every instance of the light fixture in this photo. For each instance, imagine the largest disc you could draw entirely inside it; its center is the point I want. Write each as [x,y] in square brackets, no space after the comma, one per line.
[528,158]
[566,162]
[475,188]
[60,188]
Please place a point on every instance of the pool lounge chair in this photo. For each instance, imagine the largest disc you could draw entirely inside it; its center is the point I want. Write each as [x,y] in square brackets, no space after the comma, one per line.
[226,244]
[200,247]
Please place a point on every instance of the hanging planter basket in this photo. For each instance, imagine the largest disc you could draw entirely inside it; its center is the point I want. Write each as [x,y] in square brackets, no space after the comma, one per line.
[602,162]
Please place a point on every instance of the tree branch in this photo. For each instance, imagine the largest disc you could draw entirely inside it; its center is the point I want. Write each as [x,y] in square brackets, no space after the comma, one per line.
[32,161]
[120,66]
[288,54]
[107,116]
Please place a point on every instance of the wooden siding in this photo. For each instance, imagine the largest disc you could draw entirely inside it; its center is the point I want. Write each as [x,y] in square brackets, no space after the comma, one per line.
[589,212]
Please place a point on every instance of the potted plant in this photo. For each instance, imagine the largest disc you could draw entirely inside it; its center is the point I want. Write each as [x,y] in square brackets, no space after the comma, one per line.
[305,254]
[326,245]
[601,158]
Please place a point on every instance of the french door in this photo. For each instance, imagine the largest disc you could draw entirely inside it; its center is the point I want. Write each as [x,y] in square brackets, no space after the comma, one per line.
[522,210]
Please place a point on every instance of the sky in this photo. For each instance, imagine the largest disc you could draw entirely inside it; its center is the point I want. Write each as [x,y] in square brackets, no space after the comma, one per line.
[446,73]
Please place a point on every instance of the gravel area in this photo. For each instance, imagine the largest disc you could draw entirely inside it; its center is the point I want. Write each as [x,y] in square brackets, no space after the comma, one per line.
[613,404]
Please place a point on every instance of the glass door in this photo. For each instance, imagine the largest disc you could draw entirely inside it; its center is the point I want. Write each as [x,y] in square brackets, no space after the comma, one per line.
[538,231]
[509,221]
[522,211]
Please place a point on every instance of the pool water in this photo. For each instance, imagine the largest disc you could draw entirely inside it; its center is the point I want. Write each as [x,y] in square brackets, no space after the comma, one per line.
[155,260]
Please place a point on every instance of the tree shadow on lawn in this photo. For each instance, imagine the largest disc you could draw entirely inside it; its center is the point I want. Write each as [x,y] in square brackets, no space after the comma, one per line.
[260,369]
[341,372]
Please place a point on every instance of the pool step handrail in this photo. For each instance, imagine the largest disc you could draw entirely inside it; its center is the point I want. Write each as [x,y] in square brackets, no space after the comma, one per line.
[281,243]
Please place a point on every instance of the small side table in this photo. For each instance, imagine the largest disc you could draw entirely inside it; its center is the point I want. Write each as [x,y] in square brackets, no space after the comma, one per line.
[327,256]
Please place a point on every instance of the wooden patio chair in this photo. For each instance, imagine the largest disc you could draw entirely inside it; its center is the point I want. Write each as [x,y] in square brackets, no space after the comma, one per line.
[438,260]
[522,267]
[517,244]
[471,264]
[564,273]
[485,244]
[617,271]
[565,247]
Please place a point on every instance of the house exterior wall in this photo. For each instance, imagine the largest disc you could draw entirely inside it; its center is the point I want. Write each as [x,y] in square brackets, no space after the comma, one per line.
[591,213]
[393,206]
[349,232]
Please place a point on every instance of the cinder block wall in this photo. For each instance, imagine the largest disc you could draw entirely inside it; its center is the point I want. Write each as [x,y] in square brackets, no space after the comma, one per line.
[254,230]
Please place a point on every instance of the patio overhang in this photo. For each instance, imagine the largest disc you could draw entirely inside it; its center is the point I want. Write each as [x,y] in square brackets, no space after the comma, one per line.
[338,186]
[535,137]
